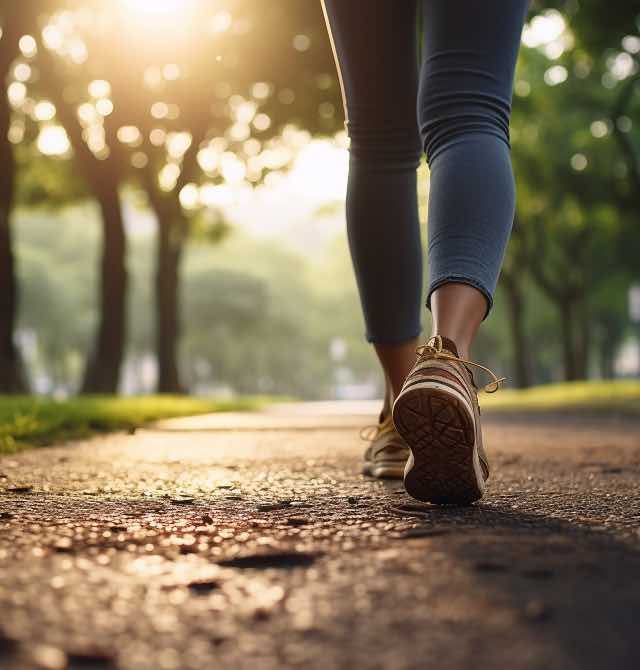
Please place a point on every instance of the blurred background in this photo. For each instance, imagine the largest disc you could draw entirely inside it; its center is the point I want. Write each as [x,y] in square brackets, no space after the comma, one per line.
[172,177]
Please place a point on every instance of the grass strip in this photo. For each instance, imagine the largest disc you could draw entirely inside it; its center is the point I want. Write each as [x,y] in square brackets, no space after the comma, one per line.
[27,421]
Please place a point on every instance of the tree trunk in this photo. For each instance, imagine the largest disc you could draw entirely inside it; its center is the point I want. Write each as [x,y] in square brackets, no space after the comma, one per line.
[103,369]
[606,357]
[610,329]
[575,326]
[582,339]
[567,327]
[518,334]
[102,373]
[167,297]
[11,374]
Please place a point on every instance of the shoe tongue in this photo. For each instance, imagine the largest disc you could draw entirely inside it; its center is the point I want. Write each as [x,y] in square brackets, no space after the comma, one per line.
[384,426]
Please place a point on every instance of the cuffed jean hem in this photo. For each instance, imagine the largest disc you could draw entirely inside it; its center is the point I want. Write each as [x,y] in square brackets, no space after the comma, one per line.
[392,340]
[461,279]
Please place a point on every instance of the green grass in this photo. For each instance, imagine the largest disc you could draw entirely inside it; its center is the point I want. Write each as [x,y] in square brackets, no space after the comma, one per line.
[602,396]
[31,421]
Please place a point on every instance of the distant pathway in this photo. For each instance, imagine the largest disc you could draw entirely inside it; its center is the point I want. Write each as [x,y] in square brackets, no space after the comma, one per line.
[251,542]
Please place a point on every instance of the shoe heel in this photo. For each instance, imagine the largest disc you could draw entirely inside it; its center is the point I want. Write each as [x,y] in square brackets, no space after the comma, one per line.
[444,467]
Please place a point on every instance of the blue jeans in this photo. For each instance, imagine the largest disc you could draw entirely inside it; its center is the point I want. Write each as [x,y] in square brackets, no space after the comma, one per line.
[453,103]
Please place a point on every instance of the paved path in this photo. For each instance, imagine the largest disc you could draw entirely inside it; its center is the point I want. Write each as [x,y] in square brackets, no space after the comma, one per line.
[251,541]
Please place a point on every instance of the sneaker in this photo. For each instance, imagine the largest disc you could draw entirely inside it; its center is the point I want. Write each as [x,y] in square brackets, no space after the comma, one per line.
[438,415]
[387,454]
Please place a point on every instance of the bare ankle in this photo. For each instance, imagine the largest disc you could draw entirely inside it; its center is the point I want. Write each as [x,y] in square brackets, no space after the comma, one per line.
[458,311]
[397,361]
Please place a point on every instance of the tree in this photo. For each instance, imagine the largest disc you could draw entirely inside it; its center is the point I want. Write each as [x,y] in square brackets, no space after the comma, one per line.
[190,104]
[103,173]
[512,279]
[12,378]
[573,211]
[223,122]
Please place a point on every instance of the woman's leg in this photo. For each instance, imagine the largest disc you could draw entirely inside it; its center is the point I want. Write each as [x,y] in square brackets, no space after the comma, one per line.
[458,310]
[375,46]
[464,105]
[470,50]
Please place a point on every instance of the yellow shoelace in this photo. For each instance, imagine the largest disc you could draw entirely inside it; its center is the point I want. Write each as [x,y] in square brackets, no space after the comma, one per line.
[373,432]
[437,351]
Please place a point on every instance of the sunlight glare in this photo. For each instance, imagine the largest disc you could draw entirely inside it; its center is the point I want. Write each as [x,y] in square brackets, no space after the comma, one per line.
[168,176]
[154,6]
[221,21]
[208,159]
[261,122]
[543,28]
[99,88]
[88,114]
[320,171]
[44,111]
[22,72]
[104,106]
[233,170]
[158,136]
[178,143]
[28,46]
[16,132]
[212,195]
[17,93]
[53,141]
[555,75]
[129,135]
[53,37]
[189,196]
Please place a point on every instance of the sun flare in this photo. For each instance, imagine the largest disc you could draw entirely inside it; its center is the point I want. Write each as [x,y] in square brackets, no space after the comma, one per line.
[154,6]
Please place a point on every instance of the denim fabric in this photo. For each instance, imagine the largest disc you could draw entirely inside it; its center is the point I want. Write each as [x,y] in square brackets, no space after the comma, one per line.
[452,102]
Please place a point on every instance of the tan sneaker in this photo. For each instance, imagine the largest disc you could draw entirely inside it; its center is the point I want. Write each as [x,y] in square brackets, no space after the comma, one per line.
[438,415]
[387,454]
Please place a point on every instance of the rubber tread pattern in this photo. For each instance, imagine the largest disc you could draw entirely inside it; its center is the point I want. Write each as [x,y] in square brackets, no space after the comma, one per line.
[441,436]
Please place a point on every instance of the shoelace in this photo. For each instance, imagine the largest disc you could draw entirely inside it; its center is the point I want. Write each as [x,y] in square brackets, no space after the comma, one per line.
[373,432]
[437,351]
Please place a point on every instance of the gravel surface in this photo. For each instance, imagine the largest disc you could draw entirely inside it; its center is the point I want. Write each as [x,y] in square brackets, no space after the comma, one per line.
[252,541]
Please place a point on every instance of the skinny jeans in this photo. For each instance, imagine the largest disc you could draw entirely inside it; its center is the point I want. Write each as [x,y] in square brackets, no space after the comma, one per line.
[432,77]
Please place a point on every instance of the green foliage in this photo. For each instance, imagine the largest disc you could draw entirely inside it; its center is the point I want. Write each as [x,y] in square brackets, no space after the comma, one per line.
[573,152]
[46,182]
[261,319]
[597,25]
[57,262]
[208,225]
[570,201]
[256,318]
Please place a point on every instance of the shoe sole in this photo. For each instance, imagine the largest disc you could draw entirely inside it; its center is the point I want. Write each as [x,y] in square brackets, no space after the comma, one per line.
[384,469]
[444,467]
